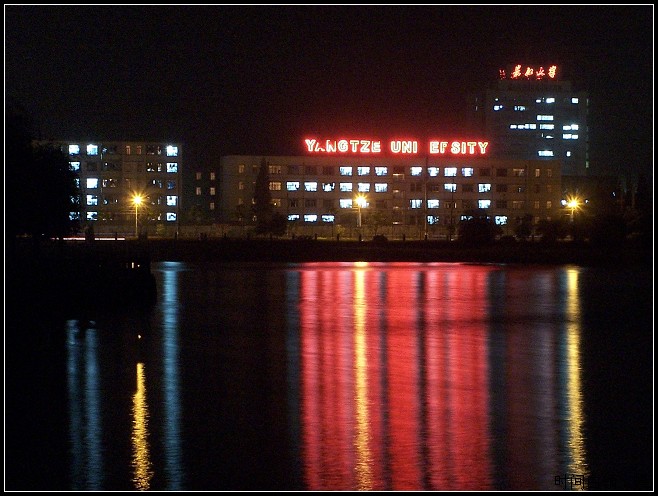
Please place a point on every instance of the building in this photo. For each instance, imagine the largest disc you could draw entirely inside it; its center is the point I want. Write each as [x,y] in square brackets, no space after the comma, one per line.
[127,187]
[403,191]
[531,114]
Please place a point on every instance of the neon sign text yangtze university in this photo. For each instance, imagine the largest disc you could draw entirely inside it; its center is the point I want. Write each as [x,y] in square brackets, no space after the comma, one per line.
[396,147]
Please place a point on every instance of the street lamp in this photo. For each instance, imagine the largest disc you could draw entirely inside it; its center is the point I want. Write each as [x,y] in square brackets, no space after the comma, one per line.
[360,203]
[137,200]
[573,205]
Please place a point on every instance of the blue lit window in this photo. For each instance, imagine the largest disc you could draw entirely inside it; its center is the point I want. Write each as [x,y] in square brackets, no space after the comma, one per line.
[171,216]
[293,217]
[92,149]
[92,182]
[345,171]
[381,187]
[467,171]
[484,203]
[172,200]
[415,203]
[74,149]
[92,199]
[484,187]
[433,171]
[363,171]
[432,203]
[310,186]
[292,185]
[450,171]
[363,187]
[345,203]
[328,218]
[346,187]
[172,166]
[74,166]
[416,171]
[381,171]
[310,218]
[172,151]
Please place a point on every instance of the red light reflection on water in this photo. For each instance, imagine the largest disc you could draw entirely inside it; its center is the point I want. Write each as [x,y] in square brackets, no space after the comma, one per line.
[394,383]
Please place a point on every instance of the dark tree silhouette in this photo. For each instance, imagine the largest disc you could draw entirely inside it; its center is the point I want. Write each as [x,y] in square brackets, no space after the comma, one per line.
[40,188]
[263,207]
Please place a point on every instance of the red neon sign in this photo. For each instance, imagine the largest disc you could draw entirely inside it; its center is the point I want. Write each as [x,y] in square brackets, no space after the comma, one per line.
[395,147]
[537,73]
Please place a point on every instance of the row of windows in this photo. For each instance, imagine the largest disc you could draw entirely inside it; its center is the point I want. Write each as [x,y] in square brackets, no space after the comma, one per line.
[212,176]
[169,200]
[92,149]
[417,203]
[522,108]
[413,171]
[312,186]
[94,216]
[94,182]
[170,167]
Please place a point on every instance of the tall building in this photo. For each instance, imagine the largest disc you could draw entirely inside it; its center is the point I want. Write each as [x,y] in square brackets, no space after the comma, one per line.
[531,114]
[415,194]
[127,187]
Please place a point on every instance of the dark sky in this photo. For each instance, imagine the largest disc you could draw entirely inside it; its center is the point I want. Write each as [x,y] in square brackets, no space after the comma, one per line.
[257,79]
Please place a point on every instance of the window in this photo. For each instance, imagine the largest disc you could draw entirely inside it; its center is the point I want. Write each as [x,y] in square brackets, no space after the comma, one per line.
[275,185]
[92,199]
[450,171]
[198,176]
[345,203]
[501,172]
[363,171]
[292,185]
[467,171]
[110,183]
[416,171]
[328,217]
[173,167]
[432,203]
[484,203]
[363,187]
[484,187]
[467,188]
[433,171]
[502,204]
[211,205]
[381,171]
[241,169]
[452,187]
[545,153]
[327,187]
[74,166]
[172,185]
[549,204]
[310,218]
[241,185]
[327,170]
[415,203]
[535,205]
[293,169]
[172,151]
[310,202]
[171,217]
[310,186]
[198,191]
[92,216]
[485,172]
[275,169]
[172,200]
[500,220]
[518,172]
[501,188]
[549,172]
[381,187]
[92,182]
[310,169]
[346,187]
[212,190]
[345,171]
[92,166]
[92,149]
[293,217]
[537,172]
[293,202]
[74,149]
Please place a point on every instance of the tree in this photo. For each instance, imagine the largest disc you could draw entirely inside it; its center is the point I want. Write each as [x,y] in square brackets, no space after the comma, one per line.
[40,187]
[523,228]
[478,229]
[263,207]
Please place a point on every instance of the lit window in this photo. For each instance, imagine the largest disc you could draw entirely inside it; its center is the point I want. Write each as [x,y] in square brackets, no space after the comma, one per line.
[432,203]
[433,171]
[452,187]
[381,171]
[310,186]
[212,191]
[292,185]
[484,203]
[450,171]
[172,151]
[241,169]
[467,171]
[415,203]
[212,175]
[363,171]
[293,217]
[484,187]
[544,117]
[275,185]
[433,219]
[328,186]
[92,215]
[416,171]
[74,166]
[550,99]
[92,199]
[345,203]
[173,167]
[74,149]
[328,218]
[198,191]
[171,216]
[574,100]
[92,149]
[171,201]
[545,153]
[381,187]
[363,187]
[497,108]
[548,127]
[519,108]
[346,187]
[171,184]
[92,182]
[211,205]
[500,220]
[310,218]
[537,172]
[345,171]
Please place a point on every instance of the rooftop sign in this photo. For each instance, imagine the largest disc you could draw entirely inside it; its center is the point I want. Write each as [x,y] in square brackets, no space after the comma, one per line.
[357,146]
[526,72]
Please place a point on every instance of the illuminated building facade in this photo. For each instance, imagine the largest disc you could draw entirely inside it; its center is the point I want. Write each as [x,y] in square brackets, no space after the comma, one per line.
[111,174]
[395,188]
[530,114]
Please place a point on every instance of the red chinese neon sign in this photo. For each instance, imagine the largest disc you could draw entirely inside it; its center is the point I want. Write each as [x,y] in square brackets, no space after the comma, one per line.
[395,147]
[537,73]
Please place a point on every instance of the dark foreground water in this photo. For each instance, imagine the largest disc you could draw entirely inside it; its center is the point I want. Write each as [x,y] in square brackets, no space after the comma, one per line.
[339,376]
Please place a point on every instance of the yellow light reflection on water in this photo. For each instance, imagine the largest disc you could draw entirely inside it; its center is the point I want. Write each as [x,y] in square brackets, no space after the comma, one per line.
[363,469]
[576,441]
[141,461]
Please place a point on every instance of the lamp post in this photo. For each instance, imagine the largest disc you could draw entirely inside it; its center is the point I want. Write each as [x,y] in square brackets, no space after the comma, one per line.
[137,200]
[361,203]
[573,205]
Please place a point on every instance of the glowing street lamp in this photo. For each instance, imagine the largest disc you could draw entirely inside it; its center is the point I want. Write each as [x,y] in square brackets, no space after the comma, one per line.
[573,205]
[137,200]
[360,203]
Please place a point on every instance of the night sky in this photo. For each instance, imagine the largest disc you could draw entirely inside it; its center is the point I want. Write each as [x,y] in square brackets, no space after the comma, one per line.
[258,79]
